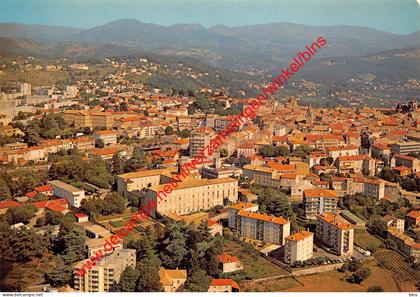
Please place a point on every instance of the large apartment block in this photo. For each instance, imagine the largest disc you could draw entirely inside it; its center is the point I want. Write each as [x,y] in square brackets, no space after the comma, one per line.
[199,139]
[263,227]
[319,201]
[103,275]
[335,234]
[89,118]
[192,195]
[234,222]
[299,247]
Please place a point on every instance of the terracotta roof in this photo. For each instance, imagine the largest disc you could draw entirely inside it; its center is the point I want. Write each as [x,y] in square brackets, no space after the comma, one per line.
[80,215]
[226,258]
[320,193]
[263,217]
[224,282]
[299,236]
[333,220]
[44,188]
[242,205]
[9,204]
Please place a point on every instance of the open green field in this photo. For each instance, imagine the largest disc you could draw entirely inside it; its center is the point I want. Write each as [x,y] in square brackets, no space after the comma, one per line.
[366,240]
[255,266]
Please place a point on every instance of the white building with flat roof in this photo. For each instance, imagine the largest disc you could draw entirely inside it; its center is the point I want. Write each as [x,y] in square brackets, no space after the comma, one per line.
[69,192]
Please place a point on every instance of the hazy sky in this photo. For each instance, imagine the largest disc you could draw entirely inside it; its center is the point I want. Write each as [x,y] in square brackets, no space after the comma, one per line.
[398,16]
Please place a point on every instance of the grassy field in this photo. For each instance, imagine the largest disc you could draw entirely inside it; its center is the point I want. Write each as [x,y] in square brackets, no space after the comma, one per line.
[270,286]
[334,281]
[255,266]
[366,240]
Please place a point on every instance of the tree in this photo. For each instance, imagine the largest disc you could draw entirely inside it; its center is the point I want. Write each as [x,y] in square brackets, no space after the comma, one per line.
[21,214]
[354,265]
[148,270]
[53,217]
[99,143]
[274,202]
[174,251]
[4,190]
[361,274]
[198,281]
[113,203]
[128,280]
[375,289]
[60,275]
[302,151]
[378,227]
[138,160]
[169,130]
[117,162]
[27,245]
[70,243]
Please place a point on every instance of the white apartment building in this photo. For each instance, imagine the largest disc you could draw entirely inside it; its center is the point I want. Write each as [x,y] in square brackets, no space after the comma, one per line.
[299,247]
[199,139]
[71,193]
[107,271]
[319,201]
[335,234]
[234,222]
[25,89]
[263,227]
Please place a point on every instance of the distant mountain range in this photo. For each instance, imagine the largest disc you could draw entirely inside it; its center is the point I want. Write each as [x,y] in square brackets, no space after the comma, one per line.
[253,49]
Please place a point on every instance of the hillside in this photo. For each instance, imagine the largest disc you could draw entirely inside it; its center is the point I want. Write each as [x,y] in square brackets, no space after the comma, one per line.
[255,49]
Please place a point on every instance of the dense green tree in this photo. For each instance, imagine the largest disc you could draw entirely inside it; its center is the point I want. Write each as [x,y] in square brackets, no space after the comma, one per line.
[274,202]
[174,251]
[4,190]
[128,280]
[273,151]
[117,164]
[53,217]
[27,245]
[169,130]
[148,267]
[361,274]
[198,281]
[99,143]
[302,151]
[60,275]
[70,242]
[21,214]
[138,160]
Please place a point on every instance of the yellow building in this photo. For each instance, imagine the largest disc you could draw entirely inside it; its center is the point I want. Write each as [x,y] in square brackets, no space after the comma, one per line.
[335,234]
[172,279]
[138,180]
[299,247]
[263,227]
[192,195]
[103,275]
[89,118]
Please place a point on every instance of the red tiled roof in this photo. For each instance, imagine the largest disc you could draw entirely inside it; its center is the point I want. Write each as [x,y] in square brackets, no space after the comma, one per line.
[226,258]
[224,282]
[45,188]
[9,204]
[31,194]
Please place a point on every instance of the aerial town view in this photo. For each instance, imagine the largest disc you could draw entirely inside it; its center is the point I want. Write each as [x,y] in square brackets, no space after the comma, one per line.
[179,146]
